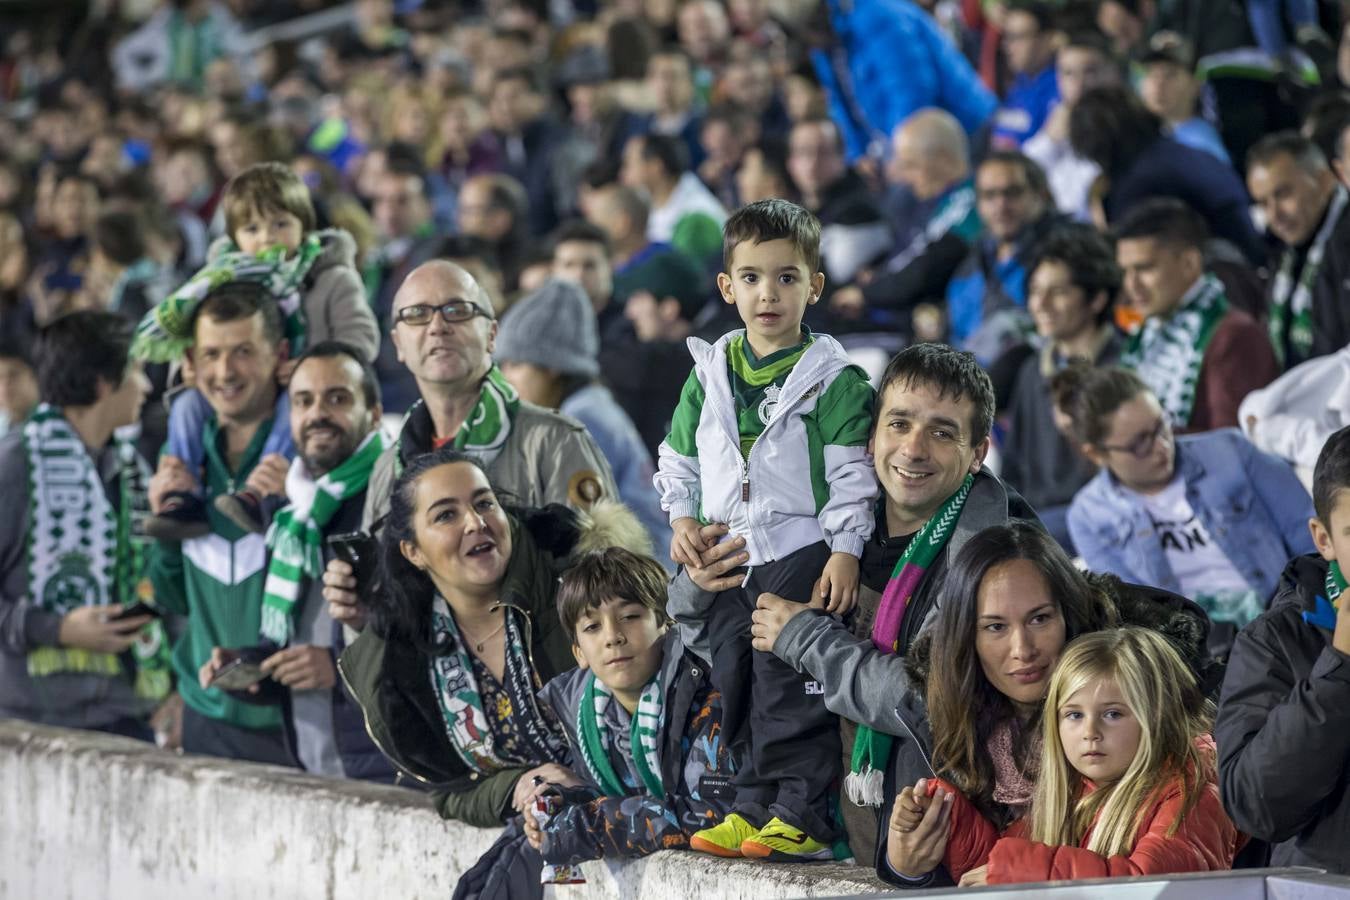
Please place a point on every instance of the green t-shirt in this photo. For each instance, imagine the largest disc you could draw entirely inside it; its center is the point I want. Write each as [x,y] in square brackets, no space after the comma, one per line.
[756,384]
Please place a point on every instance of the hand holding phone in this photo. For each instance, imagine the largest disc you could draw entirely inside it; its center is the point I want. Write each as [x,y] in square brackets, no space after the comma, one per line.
[360,551]
[236,669]
[139,608]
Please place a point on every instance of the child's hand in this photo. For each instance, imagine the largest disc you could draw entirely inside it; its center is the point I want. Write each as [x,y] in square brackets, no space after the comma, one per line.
[172,476]
[268,478]
[839,583]
[536,781]
[533,833]
[284,370]
[919,828]
[687,546]
[974,878]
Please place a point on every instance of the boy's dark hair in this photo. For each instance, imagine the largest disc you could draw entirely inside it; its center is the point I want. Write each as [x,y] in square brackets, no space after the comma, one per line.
[1090,396]
[1331,475]
[773,220]
[580,231]
[953,373]
[1089,257]
[1111,126]
[120,234]
[370,384]
[670,151]
[612,572]
[1166,220]
[237,300]
[263,188]
[77,349]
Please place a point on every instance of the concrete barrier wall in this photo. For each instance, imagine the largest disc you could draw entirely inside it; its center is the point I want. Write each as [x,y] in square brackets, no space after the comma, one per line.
[96,817]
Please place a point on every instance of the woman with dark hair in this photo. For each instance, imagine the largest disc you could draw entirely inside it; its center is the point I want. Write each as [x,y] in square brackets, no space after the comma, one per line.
[1111,127]
[964,703]
[464,635]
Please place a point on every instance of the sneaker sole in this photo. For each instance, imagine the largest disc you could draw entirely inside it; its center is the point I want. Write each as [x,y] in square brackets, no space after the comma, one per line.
[754,850]
[702,846]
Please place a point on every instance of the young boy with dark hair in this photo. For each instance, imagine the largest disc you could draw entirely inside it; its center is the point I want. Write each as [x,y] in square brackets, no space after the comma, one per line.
[770,437]
[1283,727]
[641,715]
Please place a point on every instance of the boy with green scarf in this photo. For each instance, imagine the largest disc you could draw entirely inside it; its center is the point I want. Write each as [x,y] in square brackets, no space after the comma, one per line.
[72,555]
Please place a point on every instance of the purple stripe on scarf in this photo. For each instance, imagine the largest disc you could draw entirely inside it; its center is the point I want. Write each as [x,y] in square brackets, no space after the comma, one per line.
[891,609]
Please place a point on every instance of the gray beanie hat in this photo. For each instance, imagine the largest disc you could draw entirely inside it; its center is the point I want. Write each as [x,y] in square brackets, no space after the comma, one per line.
[553,328]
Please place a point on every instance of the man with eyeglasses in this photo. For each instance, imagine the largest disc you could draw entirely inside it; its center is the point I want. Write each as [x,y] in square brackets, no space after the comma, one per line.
[443,330]
[1205,515]
[987,297]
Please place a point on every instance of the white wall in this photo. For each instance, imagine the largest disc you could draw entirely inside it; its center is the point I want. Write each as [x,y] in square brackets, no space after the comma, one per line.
[95,817]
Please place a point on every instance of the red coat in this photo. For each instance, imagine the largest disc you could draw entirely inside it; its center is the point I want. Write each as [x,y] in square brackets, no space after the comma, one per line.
[1206,842]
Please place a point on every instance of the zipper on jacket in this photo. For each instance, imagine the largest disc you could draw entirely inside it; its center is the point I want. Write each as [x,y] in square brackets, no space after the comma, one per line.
[745,460]
[745,480]
[365,720]
[917,743]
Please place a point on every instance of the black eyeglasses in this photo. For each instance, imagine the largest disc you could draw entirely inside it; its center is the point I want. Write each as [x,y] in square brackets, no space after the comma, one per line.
[419,314]
[1143,445]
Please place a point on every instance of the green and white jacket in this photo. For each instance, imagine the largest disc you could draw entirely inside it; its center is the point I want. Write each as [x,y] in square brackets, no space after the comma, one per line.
[806,479]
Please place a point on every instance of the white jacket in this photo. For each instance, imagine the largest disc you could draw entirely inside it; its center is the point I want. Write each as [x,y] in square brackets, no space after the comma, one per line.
[1297,412]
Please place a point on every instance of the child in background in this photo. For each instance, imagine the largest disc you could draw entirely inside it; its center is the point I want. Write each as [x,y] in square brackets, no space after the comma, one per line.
[770,437]
[642,718]
[312,274]
[1127,783]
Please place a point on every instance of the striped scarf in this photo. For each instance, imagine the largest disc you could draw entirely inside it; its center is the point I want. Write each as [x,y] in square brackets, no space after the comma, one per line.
[1290,300]
[1167,353]
[646,736]
[871,748]
[84,552]
[296,536]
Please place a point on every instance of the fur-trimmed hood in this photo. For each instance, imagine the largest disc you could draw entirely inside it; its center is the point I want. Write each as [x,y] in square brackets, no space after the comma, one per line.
[1181,621]
[566,533]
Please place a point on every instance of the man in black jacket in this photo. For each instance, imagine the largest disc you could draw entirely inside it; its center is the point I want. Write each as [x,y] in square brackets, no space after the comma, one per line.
[1283,728]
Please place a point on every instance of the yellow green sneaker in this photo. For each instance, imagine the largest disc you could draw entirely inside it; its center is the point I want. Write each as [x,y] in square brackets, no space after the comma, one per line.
[724,838]
[780,842]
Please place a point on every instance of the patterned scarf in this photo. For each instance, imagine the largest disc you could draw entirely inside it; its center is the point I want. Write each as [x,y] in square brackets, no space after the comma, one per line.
[83,552]
[166,331]
[872,748]
[296,536]
[466,721]
[1326,609]
[485,431]
[646,736]
[1166,354]
[1290,301]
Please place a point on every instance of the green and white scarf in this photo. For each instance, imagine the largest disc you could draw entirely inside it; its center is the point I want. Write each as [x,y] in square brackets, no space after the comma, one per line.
[1167,354]
[166,331]
[1291,301]
[485,431]
[83,552]
[296,536]
[871,748]
[461,703]
[646,736]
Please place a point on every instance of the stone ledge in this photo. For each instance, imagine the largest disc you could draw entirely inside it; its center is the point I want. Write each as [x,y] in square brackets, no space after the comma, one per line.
[94,816]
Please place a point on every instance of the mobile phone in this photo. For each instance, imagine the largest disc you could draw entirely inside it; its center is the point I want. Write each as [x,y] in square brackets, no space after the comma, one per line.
[139,608]
[238,675]
[360,551]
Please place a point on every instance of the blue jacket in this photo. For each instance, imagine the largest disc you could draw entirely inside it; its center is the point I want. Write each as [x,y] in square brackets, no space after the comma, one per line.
[1250,502]
[890,60]
[1025,108]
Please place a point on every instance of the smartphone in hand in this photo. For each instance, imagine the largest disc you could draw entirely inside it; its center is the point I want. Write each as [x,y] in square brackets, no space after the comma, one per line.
[360,551]
[137,609]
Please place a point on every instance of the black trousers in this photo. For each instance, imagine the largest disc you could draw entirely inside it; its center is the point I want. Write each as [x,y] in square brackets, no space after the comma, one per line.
[214,738]
[775,717]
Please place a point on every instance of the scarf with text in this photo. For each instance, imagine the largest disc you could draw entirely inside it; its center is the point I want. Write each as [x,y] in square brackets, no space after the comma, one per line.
[295,538]
[1167,354]
[871,748]
[84,552]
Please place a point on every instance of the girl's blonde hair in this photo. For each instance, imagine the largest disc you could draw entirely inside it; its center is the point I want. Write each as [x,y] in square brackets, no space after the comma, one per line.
[1164,696]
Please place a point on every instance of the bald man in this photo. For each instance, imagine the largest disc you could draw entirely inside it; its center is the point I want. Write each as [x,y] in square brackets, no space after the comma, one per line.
[930,161]
[443,330]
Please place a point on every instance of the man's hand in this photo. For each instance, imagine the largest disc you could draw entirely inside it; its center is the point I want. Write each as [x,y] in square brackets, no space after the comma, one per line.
[536,781]
[167,721]
[975,877]
[93,628]
[720,561]
[838,585]
[339,589]
[771,615]
[171,476]
[217,660]
[687,544]
[302,668]
[268,478]
[919,827]
[533,833]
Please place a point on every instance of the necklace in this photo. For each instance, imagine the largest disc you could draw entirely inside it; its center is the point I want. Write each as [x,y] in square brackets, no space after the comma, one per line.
[478,645]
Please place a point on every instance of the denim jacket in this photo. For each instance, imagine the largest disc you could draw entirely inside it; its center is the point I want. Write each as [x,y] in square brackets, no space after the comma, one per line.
[1250,502]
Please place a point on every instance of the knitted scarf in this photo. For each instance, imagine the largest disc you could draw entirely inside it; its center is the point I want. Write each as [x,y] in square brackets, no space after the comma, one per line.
[646,736]
[84,552]
[1166,354]
[872,748]
[1291,301]
[488,426]
[295,538]
[166,330]
[466,722]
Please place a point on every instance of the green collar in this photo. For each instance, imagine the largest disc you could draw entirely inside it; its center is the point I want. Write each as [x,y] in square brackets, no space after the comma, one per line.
[216,457]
